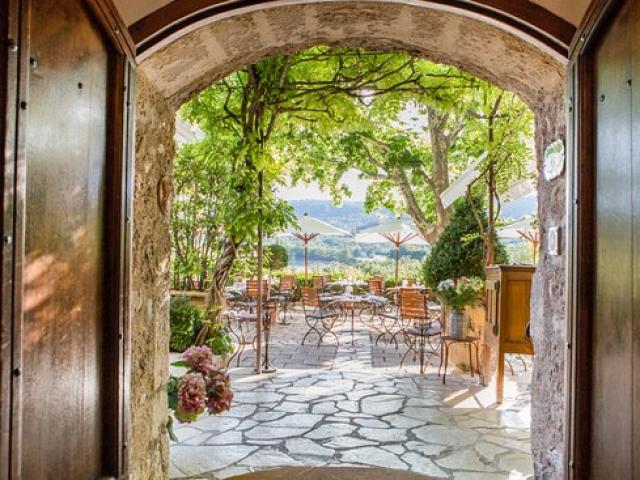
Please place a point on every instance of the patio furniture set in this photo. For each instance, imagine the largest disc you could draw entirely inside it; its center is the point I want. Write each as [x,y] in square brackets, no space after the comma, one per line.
[405,312]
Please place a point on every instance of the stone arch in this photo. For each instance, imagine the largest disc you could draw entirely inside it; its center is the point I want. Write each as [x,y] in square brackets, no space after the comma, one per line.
[174,72]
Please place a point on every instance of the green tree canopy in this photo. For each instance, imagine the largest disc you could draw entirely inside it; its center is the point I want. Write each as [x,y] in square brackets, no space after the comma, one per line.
[460,250]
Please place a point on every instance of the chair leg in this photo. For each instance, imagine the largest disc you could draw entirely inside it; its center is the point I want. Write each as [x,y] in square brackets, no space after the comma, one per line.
[312,328]
[410,348]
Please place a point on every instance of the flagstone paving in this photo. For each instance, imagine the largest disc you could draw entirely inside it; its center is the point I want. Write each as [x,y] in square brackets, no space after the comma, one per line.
[352,405]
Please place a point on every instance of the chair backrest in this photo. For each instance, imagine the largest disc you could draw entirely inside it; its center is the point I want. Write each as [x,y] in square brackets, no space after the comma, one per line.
[411,282]
[310,297]
[375,286]
[318,282]
[238,279]
[252,289]
[287,283]
[413,305]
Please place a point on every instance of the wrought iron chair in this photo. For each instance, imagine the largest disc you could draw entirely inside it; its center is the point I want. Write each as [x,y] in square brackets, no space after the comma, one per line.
[319,316]
[284,296]
[422,329]
[243,326]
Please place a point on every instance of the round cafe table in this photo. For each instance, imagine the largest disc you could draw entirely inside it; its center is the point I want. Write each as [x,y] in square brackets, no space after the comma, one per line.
[348,304]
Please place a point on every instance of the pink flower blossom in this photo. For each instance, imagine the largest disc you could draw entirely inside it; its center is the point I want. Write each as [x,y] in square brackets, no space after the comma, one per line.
[219,392]
[199,359]
[192,397]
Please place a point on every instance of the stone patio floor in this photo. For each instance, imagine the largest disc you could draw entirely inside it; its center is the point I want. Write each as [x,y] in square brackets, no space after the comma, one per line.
[353,405]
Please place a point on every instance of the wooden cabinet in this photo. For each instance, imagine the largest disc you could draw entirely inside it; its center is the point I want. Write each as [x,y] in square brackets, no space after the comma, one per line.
[508,300]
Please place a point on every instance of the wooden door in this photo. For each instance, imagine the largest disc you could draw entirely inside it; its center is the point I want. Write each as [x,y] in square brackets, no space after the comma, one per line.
[615,403]
[63,297]
[66,204]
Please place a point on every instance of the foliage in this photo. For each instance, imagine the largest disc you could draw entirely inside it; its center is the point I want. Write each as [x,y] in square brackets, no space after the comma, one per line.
[460,249]
[276,257]
[410,146]
[286,115]
[458,293]
[220,340]
[185,320]
[201,388]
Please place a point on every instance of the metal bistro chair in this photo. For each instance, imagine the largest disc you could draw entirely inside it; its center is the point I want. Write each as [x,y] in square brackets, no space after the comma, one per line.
[284,296]
[319,317]
[243,327]
[391,322]
[414,309]
[250,300]
[379,303]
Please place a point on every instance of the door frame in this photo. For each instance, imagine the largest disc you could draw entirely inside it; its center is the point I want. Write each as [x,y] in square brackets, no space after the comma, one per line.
[14,97]
[581,203]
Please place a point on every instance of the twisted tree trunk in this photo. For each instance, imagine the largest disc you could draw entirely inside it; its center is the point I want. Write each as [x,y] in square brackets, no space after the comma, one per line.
[216,300]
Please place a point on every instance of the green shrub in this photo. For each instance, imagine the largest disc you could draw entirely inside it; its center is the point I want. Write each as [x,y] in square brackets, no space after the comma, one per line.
[185,321]
[459,252]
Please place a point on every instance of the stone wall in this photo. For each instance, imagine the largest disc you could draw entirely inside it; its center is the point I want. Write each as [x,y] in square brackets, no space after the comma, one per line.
[149,453]
[548,311]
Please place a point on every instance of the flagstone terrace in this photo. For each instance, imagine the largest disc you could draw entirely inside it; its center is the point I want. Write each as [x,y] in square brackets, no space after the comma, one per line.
[353,405]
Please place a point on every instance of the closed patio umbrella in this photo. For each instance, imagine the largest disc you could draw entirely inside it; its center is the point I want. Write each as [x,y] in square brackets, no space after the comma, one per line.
[397,232]
[309,228]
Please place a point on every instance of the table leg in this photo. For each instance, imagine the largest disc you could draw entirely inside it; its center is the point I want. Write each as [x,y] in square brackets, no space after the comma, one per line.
[441,355]
[470,361]
[446,362]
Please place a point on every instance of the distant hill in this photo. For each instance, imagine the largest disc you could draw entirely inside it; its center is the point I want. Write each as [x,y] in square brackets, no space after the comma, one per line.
[352,216]
[349,216]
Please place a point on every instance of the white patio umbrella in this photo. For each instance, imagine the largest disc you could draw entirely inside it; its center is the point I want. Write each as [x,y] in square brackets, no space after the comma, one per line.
[522,229]
[309,228]
[397,232]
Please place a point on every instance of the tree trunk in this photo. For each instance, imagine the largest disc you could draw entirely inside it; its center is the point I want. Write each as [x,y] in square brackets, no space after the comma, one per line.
[428,231]
[216,300]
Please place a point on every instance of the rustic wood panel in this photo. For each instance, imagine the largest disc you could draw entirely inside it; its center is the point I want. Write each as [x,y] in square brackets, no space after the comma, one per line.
[63,326]
[612,407]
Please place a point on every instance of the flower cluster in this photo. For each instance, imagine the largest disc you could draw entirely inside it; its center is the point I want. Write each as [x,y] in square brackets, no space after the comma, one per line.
[202,387]
[199,359]
[192,397]
[458,293]
[219,392]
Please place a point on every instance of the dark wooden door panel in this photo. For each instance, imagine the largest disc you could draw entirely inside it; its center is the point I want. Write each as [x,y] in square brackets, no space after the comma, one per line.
[635,187]
[64,223]
[612,382]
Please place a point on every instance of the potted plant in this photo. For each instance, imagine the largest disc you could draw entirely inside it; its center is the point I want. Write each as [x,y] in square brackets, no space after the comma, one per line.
[458,294]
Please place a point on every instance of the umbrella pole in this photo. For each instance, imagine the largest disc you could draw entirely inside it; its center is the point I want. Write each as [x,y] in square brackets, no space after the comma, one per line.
[397,262]
[306,261]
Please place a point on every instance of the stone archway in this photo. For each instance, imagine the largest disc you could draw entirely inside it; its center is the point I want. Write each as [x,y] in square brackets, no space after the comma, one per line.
[170,75]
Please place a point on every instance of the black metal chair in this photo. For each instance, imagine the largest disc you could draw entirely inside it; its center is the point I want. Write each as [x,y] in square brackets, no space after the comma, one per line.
[284,296]
[319,316]
[422,327]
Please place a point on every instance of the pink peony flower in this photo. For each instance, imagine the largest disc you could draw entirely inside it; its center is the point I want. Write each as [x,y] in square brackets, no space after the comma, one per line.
[219,392]
[192,397]
[199,359]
